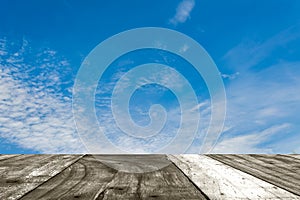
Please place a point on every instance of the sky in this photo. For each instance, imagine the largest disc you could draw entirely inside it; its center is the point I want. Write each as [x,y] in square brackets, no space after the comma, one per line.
[254,44]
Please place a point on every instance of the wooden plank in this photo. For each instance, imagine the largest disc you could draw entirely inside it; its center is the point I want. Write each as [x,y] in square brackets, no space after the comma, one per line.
[284,159]
[280,172]
[23,173]
[220,181]
[168,183]
[7,156]
[287,166]
[154,177]
[17,158]
[137,163]
[82,180]
[296,156]
[89,178]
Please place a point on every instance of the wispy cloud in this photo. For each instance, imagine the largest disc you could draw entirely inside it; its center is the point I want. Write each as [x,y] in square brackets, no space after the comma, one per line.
[250,53]
[263,105]
[169,79]
[250,143]
[264,96]
[35,108]
[183,11]
[230,76]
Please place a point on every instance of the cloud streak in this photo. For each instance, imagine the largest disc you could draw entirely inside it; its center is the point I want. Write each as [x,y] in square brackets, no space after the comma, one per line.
[170,79]
[250,53]
[264,95]
[250,143]
[263,105]
[35,112]
[183,11]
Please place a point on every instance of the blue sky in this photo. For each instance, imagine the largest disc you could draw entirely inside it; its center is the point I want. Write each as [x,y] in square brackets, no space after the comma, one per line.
[255,45]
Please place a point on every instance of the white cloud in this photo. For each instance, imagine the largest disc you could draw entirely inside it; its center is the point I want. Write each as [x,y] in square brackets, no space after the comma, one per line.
[230,76]
[184,48]
[34,112]
[249,143]
[262,97]
[259,100]
[183,11]
[250,52]
[131,144]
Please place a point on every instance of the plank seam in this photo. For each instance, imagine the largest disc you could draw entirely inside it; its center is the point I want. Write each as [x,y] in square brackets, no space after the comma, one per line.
[5,159]
[290,156]
[220,160]
[76,160]
[262,178]
[190,180]
[102,191]
[276,168]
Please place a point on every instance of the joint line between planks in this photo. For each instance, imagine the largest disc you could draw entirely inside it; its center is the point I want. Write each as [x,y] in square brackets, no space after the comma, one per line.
[100,191]
[13,156]
[252,174]
[75,161]
[195,185]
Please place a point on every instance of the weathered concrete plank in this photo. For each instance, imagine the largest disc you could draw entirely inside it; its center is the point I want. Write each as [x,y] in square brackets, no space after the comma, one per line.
[135,163]
[220,181]
[276,169]
[279,164]
[23,173]
[82,180]
[7,156]
[154,177]
[142,177]
[90,179]
[297,156]
[168,183]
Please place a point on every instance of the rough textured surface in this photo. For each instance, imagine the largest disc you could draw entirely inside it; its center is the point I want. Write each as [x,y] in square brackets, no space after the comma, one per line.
[23,173]
[280,170]
[168,177]
[89,178]
[134,163]
[219,181]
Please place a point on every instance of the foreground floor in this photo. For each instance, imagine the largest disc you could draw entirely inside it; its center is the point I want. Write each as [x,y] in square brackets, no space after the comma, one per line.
[149,177]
